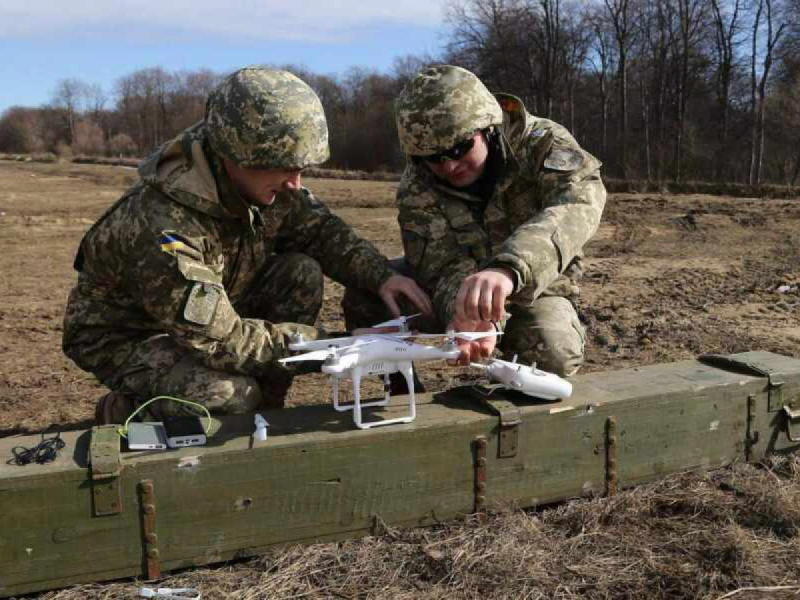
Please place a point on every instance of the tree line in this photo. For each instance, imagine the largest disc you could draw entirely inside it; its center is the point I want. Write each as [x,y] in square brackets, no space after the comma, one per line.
[660,90]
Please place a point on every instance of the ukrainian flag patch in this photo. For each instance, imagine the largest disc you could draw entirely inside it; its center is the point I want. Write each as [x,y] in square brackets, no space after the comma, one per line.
[170,243]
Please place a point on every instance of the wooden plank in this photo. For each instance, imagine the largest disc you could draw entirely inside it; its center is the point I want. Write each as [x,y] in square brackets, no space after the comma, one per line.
[318,478]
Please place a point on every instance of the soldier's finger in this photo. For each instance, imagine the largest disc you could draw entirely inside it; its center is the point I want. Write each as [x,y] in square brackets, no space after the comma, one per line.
[388,300]
[471,302]
[419,299]
[485,302]
[498,304]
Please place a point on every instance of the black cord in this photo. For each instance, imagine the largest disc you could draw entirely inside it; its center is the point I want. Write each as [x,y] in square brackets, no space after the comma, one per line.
[44,452]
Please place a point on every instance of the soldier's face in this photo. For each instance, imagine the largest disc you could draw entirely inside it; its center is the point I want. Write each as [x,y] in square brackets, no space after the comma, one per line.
[465,170]
[260,186]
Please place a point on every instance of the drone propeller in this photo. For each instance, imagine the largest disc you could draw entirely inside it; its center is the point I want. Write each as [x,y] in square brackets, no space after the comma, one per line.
[464,335]
[330,353]
[398,322]
[314,355]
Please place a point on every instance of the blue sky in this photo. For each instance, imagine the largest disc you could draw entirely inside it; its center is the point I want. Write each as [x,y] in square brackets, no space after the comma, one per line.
[99,41]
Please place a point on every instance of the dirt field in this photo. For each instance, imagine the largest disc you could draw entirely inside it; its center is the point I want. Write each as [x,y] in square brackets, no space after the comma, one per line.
[668,277]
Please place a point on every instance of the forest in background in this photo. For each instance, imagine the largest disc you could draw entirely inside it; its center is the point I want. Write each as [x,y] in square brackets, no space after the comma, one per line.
[660,90]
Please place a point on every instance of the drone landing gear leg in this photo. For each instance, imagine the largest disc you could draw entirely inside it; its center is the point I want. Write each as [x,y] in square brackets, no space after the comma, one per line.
[408,372]
[343,408]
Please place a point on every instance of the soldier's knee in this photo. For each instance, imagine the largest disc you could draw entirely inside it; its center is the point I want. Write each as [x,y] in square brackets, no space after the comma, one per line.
[551,335]
[218,391]
[362,308]
[556,351]
[234,395]
[302,269]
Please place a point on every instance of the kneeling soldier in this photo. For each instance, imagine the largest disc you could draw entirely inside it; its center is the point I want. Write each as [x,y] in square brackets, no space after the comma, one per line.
[192,284]
[495,208]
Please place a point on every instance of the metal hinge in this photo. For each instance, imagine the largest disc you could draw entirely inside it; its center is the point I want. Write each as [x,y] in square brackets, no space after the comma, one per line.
[752,434]
[612,475]
[510,419]
[152,558]
[790,417]
[480,473]
[105,467]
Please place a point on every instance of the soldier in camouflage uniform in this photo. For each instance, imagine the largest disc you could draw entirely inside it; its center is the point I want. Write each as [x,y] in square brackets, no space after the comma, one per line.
[495,206]
[192,284]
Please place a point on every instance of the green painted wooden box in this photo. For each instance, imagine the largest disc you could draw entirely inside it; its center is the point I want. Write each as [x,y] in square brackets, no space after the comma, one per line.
[98,514]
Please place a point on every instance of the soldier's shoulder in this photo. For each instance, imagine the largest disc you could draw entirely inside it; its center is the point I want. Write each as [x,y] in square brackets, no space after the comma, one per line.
[414,192]
[538,129]
[145,208]
[549,146]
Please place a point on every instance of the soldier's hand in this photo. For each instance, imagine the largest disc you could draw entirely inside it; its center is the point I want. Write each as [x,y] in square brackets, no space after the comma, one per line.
[476,349]
[482,295]
[399,285]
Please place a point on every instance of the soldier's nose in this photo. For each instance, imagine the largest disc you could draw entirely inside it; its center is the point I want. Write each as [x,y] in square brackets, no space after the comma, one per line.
[449,166]
[292,182]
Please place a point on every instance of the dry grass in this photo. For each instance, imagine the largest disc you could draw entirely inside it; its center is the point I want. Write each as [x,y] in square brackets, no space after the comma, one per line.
[668,277]
[729,532]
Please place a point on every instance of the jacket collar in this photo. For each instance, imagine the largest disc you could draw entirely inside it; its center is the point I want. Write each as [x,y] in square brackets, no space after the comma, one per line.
[186,171]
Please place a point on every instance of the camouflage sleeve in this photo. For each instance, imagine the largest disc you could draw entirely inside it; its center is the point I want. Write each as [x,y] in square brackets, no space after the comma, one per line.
[173,273]
[431,249]
[567,189]
[345,257]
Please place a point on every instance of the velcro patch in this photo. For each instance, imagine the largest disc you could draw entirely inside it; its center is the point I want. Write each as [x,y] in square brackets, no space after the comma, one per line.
[563,159]
[202,303]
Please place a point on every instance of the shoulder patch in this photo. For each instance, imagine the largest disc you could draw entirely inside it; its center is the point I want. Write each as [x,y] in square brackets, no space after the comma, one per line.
[175,243]
[202,303]
[563,159]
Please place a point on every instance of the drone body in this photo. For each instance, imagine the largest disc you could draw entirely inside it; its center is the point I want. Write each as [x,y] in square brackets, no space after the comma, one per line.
[371,354]
[528,380]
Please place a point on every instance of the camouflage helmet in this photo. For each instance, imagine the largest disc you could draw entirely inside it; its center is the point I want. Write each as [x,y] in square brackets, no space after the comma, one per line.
[266,118]
[442,106]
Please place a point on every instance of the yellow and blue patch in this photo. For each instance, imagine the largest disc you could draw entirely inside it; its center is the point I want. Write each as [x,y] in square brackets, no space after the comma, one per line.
[170,244]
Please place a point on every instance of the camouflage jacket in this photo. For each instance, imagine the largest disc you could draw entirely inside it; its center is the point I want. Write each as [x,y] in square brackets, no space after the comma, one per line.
[178,250]
[545,205]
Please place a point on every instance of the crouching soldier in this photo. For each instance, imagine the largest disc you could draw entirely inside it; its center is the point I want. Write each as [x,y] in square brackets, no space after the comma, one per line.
[495,206]
[193,283]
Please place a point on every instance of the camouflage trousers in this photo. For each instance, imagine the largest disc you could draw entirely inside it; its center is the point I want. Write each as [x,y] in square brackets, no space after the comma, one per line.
[289,289]
[546,330]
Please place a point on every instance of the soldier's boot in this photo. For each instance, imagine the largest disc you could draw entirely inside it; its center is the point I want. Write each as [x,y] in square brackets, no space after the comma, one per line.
[398,386]
[114,409]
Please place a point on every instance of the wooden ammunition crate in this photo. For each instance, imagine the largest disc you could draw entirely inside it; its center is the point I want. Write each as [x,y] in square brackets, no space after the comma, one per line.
[98,514]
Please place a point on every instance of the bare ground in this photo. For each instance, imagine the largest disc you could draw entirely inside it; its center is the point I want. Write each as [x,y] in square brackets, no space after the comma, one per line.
[667,278]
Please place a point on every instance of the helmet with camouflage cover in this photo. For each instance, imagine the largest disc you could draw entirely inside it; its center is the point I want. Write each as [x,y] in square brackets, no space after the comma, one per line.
[266,118]
[442,106]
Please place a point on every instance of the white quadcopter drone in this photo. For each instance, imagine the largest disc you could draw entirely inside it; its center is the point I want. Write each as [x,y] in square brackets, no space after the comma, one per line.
[377,354]
[522,378]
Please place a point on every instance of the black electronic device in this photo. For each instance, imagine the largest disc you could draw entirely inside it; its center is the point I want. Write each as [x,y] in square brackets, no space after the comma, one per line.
[184,430]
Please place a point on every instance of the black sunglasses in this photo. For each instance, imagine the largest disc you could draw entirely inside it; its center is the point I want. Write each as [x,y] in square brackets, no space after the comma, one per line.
[454,153]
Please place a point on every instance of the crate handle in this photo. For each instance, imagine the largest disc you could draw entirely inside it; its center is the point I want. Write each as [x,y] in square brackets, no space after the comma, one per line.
[791,417]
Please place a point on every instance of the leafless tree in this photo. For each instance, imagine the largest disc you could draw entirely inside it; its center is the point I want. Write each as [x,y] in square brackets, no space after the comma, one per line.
[70,95]
[621,15]
[601,59]
[727,27]
[691,24]
[765,12]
